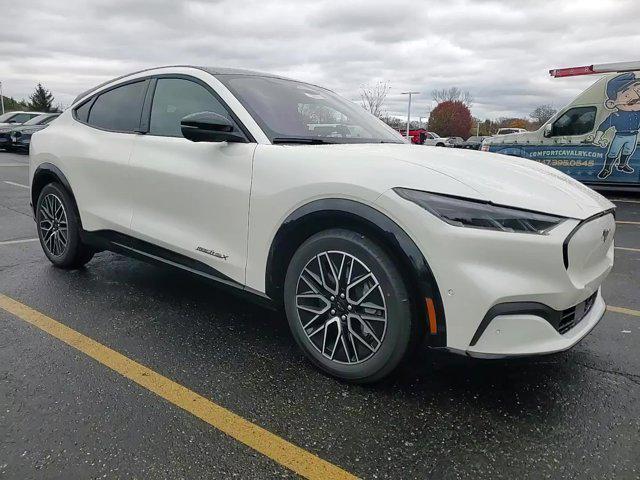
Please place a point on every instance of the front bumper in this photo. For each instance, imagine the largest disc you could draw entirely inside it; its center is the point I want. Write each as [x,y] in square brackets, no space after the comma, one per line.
[534,333]
[20,140]
[477,270]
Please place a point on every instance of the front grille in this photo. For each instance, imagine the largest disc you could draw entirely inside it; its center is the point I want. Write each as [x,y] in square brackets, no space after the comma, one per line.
[574,315]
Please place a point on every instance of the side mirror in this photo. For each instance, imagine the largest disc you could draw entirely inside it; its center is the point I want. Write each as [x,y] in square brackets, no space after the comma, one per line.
[209,127]
[548,130]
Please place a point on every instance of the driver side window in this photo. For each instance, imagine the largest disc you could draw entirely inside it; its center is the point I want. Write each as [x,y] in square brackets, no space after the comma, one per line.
[575,121]
[174,99]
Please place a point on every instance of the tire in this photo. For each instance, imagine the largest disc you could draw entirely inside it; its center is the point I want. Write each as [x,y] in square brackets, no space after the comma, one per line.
[336,340]
[57,216]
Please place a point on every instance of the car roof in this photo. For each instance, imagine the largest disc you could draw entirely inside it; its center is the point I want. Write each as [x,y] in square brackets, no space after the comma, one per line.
[215,71]
[25,111]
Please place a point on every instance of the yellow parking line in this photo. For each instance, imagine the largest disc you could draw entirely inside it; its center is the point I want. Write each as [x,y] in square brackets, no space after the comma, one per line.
[626,311]
[628,249]
[626,222]
[276,448]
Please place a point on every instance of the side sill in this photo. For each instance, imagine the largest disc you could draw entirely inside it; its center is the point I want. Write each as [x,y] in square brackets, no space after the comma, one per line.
[148,252]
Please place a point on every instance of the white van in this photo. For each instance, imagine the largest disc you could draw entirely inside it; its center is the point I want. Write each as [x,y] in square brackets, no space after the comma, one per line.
[594,139]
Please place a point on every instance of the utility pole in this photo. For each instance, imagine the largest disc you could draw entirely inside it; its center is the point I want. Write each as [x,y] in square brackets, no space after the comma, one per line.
[1,98]
[409,109]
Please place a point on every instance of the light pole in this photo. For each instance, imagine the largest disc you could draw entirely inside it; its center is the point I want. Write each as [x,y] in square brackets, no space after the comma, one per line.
[1,98]
[409,109]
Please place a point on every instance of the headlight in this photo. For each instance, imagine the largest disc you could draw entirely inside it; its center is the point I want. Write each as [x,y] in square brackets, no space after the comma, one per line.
[477,214]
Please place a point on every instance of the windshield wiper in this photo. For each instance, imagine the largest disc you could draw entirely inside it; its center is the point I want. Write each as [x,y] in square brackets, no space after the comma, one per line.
[302,140]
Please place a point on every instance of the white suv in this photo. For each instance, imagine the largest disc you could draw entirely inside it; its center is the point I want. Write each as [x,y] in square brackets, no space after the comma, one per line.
[372,246]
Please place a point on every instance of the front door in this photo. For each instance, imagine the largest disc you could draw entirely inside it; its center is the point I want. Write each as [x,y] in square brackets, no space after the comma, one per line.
[191,198]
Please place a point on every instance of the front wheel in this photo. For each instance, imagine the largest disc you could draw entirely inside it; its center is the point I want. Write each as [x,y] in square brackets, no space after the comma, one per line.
[348,306]
[59,228]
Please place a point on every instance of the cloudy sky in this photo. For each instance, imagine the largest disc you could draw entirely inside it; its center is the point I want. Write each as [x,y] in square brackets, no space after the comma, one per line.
[500,51]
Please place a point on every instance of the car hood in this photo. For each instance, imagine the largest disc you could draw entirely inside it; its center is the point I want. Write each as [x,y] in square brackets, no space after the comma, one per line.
[4,124]
[500,179]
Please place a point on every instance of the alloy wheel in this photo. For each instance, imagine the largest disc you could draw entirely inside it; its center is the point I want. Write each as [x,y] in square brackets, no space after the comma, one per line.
[341,307]
[53,225]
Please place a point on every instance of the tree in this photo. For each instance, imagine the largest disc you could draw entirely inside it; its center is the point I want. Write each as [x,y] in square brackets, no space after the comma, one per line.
[451,119]
[393,122]
[11,104]
[41,100]
[453,94]
[373,97]
[542,113]
[519,123]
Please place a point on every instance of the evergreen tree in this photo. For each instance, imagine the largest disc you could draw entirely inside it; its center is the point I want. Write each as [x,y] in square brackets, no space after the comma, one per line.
[41,100]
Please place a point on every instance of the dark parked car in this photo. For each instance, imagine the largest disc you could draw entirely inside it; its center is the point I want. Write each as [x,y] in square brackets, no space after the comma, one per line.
[474,143]
[19,137]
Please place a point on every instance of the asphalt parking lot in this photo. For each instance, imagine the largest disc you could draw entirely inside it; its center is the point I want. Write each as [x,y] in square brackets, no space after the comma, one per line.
[71,407]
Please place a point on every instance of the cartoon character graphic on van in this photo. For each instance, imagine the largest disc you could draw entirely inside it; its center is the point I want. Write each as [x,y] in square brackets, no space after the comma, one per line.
[623,97]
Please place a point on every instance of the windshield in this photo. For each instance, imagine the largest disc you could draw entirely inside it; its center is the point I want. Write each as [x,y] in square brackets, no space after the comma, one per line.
[46,118]
[287,111]
[6,116]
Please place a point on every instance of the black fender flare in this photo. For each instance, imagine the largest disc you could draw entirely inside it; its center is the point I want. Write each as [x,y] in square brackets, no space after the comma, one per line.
[304,222]
[48,170]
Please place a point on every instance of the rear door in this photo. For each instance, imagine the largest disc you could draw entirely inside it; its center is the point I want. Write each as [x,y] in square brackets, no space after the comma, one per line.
[98,163]
[191,198]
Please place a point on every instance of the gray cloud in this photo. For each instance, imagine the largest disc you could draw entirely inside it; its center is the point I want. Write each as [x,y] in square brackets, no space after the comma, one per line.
[498,50]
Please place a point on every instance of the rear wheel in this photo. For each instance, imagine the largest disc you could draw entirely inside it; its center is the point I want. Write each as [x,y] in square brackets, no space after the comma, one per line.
[347,306]
[59,228]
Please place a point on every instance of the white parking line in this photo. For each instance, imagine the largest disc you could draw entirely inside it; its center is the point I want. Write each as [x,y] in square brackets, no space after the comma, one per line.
[626,222]
[22,240]
[627,249]
[624,200]
[16,184]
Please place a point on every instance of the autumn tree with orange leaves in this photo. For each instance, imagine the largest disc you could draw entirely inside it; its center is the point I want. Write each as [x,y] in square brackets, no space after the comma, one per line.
[451,119]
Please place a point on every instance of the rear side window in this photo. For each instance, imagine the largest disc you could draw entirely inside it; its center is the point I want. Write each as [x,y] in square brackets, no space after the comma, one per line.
[175,98]
[119,109]
[575,121]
